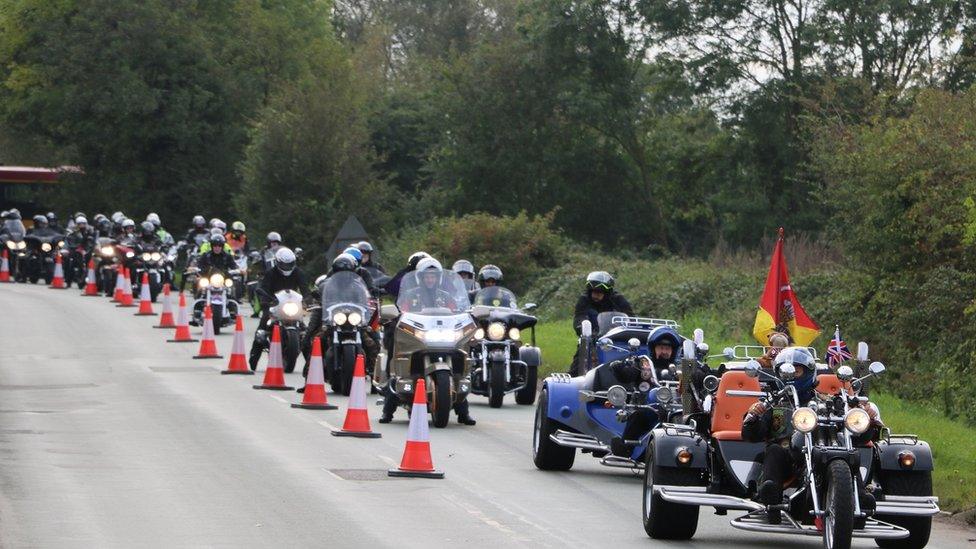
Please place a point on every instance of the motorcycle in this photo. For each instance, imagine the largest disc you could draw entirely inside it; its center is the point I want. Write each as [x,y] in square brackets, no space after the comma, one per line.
[844,488]
[346,312]
[213,289]
[38,262]
[502,362]
[618,328]
[154,261]
[431,340]
[12,239]
[107,259]
[288,314]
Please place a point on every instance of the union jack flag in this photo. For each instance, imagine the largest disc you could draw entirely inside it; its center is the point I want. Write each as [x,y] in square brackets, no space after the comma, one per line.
[837,351]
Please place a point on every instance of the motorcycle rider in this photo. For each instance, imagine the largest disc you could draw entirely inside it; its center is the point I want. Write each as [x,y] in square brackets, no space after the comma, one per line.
[599,297]
[270,249]
[197,228]
[427,294]
[147,236]
[103,228]
[284,276]
[128,231]
[52,222]
[82,235]
[216,257]
[490,275]
[777,341]
[465,269]
[162,233]
[41,227]
[237,237]
[206,246]
[393,286]
[367,261]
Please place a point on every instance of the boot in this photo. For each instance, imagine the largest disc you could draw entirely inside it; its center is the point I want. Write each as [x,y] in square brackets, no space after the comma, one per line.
[389,408]
[255,357]
[464,416]
[771,493]
[466,419]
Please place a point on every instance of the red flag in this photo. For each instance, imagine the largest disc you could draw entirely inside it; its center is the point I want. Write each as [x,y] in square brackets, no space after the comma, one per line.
[779,309]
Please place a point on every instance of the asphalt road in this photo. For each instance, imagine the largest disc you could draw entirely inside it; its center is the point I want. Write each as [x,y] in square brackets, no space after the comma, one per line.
[110,437]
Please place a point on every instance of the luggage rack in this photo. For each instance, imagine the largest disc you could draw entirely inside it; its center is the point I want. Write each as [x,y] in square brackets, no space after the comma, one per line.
[639,322]
[746,352]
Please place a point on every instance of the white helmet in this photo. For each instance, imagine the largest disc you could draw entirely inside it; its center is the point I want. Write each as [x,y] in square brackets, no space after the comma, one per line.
[429,265]
[154,219]
[81,219]
[285,260]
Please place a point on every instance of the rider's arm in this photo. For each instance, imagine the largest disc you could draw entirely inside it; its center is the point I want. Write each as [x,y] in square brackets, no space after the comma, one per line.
[581,312]
[756,424]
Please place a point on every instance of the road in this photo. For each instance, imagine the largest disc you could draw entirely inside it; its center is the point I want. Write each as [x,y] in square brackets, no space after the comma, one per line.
[110,437]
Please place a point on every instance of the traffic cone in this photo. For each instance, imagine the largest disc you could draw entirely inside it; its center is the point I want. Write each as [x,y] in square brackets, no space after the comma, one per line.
[127,300]
[182,324]
[357,418]
[238,363]
[314,397]
[145,298]
[5,268]
[91,289]
[274,374]
[208,346]
[119,284]
[416,460]
[57,282]
[166,318]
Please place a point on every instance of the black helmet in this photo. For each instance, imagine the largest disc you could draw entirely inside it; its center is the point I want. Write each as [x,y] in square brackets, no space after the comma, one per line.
[148,229]
[104,225]
[365,247]
[344,262]
[51,218]
[415,258]
[463,266]
[599,280]
[217,241]
[490,272]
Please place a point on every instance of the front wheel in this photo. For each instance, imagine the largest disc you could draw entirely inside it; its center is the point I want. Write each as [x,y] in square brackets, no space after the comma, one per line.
[546,454]
[496,385]
[911,483]
[838,507]
[526,395]
[348,367]
[663,519]
[217,314]
[442,398]
[291,350]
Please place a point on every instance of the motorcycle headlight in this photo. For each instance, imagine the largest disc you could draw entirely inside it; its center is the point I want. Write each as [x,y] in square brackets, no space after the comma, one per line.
[496,331]
[217,280]
[45,247]
[440,336]
[339,319]
[61,244]
[479,333]
[11,244]
[857,421]
[291,309]
[229,282]
[146,256]
[664,395]
[203,283]
[617,395]
[130,255]
[355,318]
[515,334]
[155,256]
[21,245]
[804,420]
[107,250]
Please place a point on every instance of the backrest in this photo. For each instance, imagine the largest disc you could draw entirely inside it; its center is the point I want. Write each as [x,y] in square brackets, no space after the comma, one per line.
[829,384]
[728,412]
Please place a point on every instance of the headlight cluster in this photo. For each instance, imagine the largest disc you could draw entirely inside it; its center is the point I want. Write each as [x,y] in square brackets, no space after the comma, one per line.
[291,309]
[804,420]
[16,245]
[353,318]
[496,332]
[857,421]
[441,335]
[154,256]
[45,247]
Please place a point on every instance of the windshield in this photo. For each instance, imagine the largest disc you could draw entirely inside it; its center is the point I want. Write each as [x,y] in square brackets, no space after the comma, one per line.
[14,227]
[496,296]
[433,293]
[344,287]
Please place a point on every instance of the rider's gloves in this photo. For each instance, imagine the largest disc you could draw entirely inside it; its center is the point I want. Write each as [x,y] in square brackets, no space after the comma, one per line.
[757,409]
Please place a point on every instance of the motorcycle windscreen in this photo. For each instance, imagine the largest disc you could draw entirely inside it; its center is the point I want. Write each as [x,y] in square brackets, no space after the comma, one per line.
[15,228]
[496,296]
[433,293]
[344,288]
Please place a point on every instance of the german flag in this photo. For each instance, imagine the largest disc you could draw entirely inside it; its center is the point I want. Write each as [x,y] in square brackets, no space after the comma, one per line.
[779,309]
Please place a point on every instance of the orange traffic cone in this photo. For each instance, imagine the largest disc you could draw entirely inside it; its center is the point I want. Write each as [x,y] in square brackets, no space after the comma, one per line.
[182,324]
[91,289]
[238,363]
[274,374]
[5,268]
[57,282]
[127,300]
[166,318]
[145,298]
[314,397]
[208,346]
[416,460]
[357,418]
[119,284]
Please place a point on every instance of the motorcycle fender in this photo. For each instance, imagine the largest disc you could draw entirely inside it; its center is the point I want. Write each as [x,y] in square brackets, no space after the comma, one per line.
[889,452]
[564,399]
[668,442]
[824,455]
[531,356]
[433,366]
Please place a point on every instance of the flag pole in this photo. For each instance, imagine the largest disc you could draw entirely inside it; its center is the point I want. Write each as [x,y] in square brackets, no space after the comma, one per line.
[840,357]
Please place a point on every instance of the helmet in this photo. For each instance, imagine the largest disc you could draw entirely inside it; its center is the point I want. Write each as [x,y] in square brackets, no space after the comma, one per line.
[126,223]
[463,266]
[99,217]
[429,265]
[39,221]
[238,226]
[666,335]
[220,225]
[344,262]
[599,280]
[353,251]
[217,241]
[285,261]
[51,217]
[104,225]
[118,217]
[215,230]
[147,228]
[199,221]
[13,214]
[214,221]
[778,339]
[274,237]
[81,220]
[154,219]
[490,272]
[806,369]
[365,247]
[416,257]
[76,215]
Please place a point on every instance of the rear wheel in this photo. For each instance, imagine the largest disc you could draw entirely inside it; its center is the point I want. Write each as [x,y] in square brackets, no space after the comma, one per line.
[838,506]
[909,483]
[442,398]
[496,385]
[526,395]
[546,454]
[291,349]
[663,519]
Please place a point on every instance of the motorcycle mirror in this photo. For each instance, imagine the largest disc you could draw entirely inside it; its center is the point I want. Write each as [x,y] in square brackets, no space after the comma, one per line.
[845,373]
[634,343]
[617,395]
[688,347]
[862,352]
[876,368]
[604,343]
[529,307]
[710,383]
[699,335]
[703,347]
[752,368]
[787,372]
[586,329]
[728,353]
